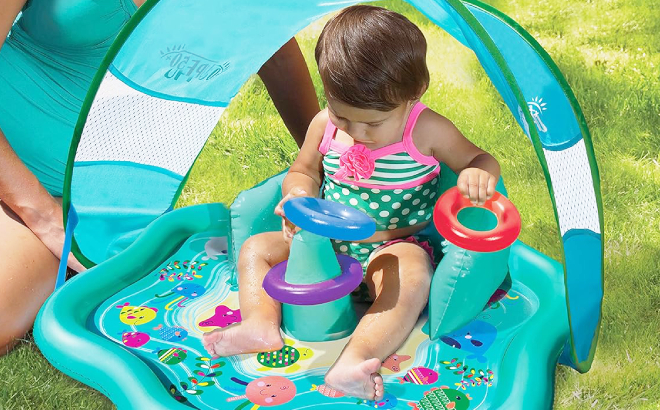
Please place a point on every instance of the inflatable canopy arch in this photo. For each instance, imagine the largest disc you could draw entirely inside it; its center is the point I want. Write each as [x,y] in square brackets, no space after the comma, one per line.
[177,65]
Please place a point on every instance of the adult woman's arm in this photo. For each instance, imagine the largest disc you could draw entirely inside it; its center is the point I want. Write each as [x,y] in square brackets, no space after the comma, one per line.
[8,13]
[19,188]
[290,86]
[23,193]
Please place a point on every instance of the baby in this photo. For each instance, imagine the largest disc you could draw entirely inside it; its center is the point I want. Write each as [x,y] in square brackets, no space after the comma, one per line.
[377,148]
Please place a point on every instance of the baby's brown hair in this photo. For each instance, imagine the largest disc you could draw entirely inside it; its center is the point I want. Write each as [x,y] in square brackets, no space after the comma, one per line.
[372,58]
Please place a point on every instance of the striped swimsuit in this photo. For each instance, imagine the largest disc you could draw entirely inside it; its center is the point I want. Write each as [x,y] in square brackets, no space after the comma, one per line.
[396,185]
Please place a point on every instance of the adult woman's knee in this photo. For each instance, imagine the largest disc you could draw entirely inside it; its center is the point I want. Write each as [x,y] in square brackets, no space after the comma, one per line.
[11,329]
[7,343]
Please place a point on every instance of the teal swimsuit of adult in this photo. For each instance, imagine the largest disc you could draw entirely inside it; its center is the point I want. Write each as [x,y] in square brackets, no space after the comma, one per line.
[47,64]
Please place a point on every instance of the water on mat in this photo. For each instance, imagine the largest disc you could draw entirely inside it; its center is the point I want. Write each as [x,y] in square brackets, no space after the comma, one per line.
[161,319]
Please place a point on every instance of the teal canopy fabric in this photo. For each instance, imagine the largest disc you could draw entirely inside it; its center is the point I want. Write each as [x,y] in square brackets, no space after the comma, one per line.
[177,65]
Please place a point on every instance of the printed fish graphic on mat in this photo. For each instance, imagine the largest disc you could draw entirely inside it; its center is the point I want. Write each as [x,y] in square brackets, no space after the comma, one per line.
[327,391]
[420,375]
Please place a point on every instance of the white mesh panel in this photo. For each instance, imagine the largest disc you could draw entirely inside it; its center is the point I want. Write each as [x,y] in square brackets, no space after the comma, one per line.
[574,188]
[127,125]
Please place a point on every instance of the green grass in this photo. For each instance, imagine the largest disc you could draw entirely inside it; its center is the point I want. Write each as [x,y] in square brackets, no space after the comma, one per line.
[609,52]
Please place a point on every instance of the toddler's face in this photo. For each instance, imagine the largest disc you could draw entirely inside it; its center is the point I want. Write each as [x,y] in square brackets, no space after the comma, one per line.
[372,128]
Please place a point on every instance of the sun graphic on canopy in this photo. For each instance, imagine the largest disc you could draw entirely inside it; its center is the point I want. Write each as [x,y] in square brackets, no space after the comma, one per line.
[538,103]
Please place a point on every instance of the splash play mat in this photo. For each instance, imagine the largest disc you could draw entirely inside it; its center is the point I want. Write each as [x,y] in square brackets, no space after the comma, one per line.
[140,318]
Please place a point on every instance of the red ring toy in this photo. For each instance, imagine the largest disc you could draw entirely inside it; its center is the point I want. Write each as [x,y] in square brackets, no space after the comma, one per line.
[445,217]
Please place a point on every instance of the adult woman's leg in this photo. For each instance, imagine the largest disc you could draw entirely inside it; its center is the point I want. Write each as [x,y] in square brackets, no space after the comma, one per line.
[290,86]
[28,274]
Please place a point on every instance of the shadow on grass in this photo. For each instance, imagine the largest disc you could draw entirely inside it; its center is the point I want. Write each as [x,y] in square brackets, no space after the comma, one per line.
[29,381]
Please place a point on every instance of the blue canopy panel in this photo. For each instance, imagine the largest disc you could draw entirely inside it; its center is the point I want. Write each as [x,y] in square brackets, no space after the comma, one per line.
[165,84]
[203,51]
[536,93]
[133,155]
[167,80]
[563,144]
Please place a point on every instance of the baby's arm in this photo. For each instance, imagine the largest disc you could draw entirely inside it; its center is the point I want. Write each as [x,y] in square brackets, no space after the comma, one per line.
[307,170]
[478,171]
[305,174]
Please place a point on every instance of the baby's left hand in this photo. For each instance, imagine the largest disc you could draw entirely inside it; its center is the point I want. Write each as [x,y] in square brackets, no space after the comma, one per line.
[476,185]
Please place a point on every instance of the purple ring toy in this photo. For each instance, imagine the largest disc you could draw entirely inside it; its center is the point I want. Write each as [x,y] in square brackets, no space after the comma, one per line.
[314,293]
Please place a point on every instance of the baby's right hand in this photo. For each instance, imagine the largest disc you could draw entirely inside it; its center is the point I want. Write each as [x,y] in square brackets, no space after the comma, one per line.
[288,229]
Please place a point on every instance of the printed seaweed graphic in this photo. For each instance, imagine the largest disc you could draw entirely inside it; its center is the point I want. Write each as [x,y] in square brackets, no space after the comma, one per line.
[471,377]
[169,272]
[199,382]
[177,394]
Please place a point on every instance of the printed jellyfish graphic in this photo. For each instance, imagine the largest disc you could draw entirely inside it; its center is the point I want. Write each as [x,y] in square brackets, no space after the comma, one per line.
[266,391]
[186,291]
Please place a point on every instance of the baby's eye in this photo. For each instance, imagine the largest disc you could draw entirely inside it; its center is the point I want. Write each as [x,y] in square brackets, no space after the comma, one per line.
[375,124]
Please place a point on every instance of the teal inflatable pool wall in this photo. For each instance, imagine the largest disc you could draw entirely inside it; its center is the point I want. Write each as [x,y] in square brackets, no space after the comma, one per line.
[504,357]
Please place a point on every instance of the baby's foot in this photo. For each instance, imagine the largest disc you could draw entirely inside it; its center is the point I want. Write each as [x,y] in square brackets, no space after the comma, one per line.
[357,378]
[244,337]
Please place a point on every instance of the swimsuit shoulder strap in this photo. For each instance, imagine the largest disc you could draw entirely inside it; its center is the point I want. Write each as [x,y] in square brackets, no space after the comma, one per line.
[408,143]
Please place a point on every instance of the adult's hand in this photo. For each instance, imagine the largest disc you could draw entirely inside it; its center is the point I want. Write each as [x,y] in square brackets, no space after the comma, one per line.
[47,224]
[33,205]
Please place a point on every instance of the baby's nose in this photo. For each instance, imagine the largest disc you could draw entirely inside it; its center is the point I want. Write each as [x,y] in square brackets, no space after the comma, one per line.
[356,132]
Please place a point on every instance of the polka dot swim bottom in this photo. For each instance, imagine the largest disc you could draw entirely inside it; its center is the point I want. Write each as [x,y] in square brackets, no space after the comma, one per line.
[363,250]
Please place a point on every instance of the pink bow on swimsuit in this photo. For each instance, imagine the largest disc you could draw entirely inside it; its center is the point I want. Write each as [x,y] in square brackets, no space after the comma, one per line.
[356,162]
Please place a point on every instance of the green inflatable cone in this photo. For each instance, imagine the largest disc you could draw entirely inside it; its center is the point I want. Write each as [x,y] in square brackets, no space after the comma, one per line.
[312,260]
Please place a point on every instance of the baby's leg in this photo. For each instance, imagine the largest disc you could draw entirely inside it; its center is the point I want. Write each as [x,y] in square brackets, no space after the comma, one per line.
[259,329]
[400,277]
